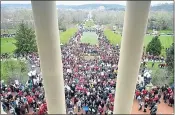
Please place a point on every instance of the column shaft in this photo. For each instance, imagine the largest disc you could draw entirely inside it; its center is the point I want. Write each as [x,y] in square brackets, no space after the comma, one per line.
[48,42]
[135,23]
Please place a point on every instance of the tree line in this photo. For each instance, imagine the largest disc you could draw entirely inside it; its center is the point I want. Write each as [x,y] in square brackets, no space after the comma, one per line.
[159,20]
[10,19]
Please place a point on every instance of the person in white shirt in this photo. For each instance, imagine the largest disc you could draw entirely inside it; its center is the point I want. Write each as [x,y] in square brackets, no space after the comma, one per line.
[140,102]
[88,93]
[34,81]
[79,105]
[102,73]
[12,110]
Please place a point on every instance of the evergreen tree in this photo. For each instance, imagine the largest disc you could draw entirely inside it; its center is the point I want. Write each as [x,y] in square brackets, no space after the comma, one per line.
[154,47]
[170,58]
[170,63]
[25,40]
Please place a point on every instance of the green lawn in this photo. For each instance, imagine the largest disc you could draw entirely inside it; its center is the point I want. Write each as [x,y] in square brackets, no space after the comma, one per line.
[116,39]
[113,38]
[89,23]
[65,36]
[155,67]
[7,45]
[89,37]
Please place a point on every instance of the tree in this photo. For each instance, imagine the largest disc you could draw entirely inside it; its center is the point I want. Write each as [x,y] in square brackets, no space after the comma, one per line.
[159,77]
[154,47]
[170,58]
[170,63]
[63,28]
[14,70]
[25,40]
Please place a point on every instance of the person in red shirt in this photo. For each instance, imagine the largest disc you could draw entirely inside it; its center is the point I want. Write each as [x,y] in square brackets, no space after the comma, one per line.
[146,99]
[171,101]
[145,92]
[110,96]
[20,93]
[100,109]
[42,109]
[9,89]
[137,93]
[111,107]
[150,100]
[169,90]
[30,100]
[112,99]
[156,98]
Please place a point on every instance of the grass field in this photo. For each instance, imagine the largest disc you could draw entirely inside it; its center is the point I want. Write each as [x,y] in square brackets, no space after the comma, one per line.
[113,38]
[116,39]
[89,37]
[155,67]
[65,36]
[89,23]
[7,45]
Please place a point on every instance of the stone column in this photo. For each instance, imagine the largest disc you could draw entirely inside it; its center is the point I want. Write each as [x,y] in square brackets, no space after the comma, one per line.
[135,23]
[48,42]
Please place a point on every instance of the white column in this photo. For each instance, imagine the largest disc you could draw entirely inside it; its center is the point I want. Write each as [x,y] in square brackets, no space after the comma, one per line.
[46,25]
[135,23]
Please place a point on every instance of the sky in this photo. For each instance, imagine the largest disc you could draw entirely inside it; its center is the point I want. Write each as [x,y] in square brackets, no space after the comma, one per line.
[83,2]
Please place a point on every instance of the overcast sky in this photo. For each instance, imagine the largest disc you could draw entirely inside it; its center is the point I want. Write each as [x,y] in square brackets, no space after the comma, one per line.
[83,2]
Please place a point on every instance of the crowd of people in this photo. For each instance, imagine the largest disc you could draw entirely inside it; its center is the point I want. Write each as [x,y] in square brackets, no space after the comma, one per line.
[153,97]
[89,82]
[149,57]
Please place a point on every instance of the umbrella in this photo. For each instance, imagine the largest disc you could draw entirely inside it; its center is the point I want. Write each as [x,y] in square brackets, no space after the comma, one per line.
[85,108]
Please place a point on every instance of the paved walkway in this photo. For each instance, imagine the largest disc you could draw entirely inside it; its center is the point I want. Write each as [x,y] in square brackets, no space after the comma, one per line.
[162,109]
